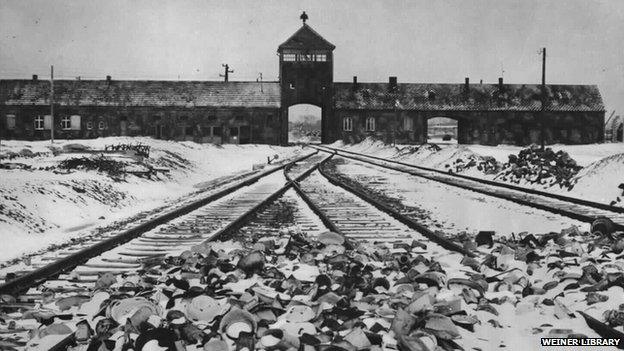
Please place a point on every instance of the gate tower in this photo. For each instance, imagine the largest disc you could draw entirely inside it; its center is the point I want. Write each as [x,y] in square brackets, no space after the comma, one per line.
[306,71]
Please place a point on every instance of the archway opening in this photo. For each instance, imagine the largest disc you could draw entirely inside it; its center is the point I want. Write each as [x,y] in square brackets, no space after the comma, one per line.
[304,124]
[442,130]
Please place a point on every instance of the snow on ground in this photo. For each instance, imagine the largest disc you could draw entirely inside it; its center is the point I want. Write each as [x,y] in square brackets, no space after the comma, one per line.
[42,206]
[597,181]
[452,210]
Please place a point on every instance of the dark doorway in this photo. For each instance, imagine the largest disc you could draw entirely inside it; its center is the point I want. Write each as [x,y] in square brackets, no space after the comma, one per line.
[123,125]
[234,135]
[304,124]
[245,135]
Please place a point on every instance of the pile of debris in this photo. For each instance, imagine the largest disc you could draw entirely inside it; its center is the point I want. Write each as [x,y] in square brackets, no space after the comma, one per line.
[139,149]
[536,166]
[293,292]
[485,164]
[101,163]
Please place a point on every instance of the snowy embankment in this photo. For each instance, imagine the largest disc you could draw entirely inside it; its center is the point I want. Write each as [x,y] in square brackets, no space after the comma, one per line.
[598,180]
[42,204]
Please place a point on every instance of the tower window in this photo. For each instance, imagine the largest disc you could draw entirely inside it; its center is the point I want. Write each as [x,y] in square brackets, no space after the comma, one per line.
[370,124]
[304,57]
[347,124]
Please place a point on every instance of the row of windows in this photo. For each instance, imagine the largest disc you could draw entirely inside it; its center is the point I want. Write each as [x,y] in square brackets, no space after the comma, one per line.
[347,124]
[45,122]
[73,122]
[305,57]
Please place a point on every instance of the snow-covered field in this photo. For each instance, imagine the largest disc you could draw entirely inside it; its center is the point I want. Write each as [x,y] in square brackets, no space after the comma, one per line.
[599,180]
[44,205]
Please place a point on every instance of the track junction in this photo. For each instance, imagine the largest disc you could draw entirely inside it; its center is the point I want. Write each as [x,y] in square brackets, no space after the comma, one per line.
[310,195]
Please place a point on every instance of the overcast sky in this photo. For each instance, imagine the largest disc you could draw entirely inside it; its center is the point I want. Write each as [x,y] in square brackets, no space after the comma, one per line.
[418,41]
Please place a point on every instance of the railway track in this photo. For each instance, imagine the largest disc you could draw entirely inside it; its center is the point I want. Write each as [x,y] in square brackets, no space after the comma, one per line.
[54,263]
[579,209]
[315,203]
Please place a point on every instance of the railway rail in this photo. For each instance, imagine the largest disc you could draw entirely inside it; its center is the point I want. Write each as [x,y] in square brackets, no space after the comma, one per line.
[320,203]
[57,262]
[579,209]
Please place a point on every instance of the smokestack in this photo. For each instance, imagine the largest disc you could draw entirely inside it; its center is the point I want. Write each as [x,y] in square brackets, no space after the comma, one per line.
[35,77]
[500,82]
[354,82]
[466,85]
[393,83]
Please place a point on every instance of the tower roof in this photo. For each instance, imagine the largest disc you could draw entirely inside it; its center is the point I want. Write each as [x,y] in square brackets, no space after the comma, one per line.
[306,38]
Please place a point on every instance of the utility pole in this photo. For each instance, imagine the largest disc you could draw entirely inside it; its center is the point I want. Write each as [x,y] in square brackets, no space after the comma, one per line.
[259,79]
[51,104]
[227,72]
[543,114]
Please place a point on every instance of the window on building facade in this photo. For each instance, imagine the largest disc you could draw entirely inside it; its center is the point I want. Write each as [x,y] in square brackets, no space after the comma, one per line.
[75,122]
[189,130]
[47,122]
[370,124]
[66,123]
[305,57]
[10,121]
[217,131]
[212,116]
[102,125]
[347,124]
[408,124]
[39,123]
[269,119]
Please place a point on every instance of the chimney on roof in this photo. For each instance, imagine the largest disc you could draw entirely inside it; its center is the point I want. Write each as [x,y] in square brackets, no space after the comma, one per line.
[500,82]
[35,77]
[467,85]
[354,83]
[108,80]
[392,83]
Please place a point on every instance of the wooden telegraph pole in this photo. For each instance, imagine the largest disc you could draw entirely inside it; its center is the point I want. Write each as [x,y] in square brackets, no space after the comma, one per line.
[227,72]
[543,114]
[51,104]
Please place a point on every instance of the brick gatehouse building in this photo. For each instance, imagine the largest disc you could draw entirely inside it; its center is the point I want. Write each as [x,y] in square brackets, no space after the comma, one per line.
[257,112]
